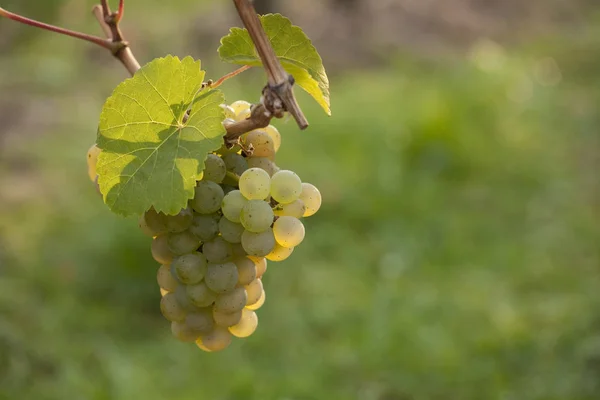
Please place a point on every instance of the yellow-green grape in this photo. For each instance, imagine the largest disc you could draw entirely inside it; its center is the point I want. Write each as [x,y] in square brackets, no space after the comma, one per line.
[229,112]
[161,251]
[217,250]
[171,309]
[286,186]
[200,295]
[261,143]
[214,169]
[207,198]
[226,319]
[221,278]
[257,216]
[238,250]
[232,205]
[232,301]
[182,242]
[230,231]
[258,244]
[311,197]
[294,209]
[180,221]
[155,222]
[246,270]
[263,163]
[235,163]
[92,161]
[253,291]
[275,136]
[165,279]
[205,227]
[255,184]
[183,299]
[261,266]
[246,326]
[216,340]
[181,331]
[239,106]
[144,227]
[288,231]
[244,114]
[259,303]
[279,253]
[190,268]
[200,321]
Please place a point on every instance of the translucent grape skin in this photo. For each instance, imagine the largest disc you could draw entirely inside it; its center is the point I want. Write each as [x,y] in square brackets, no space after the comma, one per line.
[263,163]
[221,278]
[214,169]
[246,270]
[232,301]
[258,244]
[181,331]
[294,209]
[280,253]
[216,340]
[161,251]
[286,186]
[288,231]
[261,266]
[246,326]
[171,309]
[217,250]
[92,161]
[240,106]
[255,184]
[144,227]
[261,142]
[207,198]
[275,136]
[229,111]
[200,295]
[205,227]
[230,231]
[226,320]
[182,242]
[259,303]
[165,279]
[254,291]
[232,205]
[190,268]
[257,216]
[311,197]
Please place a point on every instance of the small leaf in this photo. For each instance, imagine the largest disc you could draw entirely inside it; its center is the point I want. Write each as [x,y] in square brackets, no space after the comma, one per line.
[294,49]
[150,156]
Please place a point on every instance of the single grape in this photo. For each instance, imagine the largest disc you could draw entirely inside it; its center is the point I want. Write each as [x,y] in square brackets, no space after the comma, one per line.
[230,231]
[182,242]
[246,326]
[207,198]
[205,227]
[144,227]
[253,291]
[261,266]
[190,268]
[246,270]
[261,143]
[312,199]
[255,184]
[216,340]
[181,221]
[232,301]
[257,216]
[288,231]
[226,319]
[181,331]
[171,309]
[161,251]
[232,205]
[200,295]
[229,112]
[259,303]
[92,161]
[217,250]
[214,168]
[275,136]
[286,186]
[263,163]
[240,106]
[294,209]
[200,321]
[258,244]
[279,253]
[235,163]
[156,222]
[221,278]
[165,279]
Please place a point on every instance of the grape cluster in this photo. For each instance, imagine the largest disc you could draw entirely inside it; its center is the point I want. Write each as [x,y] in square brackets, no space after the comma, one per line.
[213,254]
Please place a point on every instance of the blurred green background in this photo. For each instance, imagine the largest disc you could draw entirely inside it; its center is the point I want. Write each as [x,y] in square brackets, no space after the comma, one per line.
[457,253]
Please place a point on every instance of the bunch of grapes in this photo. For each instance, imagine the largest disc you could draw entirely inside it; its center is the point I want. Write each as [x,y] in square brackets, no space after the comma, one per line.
[213,254]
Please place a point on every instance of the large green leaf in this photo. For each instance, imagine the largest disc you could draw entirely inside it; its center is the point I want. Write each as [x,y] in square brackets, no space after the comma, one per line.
[151,156]
[293,48]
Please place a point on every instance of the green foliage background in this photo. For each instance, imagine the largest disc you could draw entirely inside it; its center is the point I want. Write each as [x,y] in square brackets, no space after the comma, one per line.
[456,255]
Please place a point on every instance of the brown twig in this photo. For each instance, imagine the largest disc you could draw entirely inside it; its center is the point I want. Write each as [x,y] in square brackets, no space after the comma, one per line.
[109,22]
[230,75]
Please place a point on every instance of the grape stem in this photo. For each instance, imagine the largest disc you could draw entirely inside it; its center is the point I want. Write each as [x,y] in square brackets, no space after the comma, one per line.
[232,175]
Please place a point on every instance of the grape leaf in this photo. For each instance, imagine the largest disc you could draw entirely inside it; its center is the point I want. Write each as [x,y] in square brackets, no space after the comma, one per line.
[294,49]
[151,156]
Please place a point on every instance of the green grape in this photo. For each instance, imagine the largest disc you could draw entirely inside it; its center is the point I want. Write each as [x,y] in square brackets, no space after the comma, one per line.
[246,326]
[200,295]
[263,163]
[294,209]
[207,198]
[165,279]
[190,268]
[232,301]
[288,231]
[279,253]
[183,299]
[226,319]
[144,227]
[235,163]
[275,136]
[246,270]
[257,216]
[312,199]
[238,250]
[253,291]
[171,309]
[216,340]
[92,161]
[239,106]
[259,303]
[161,251]
[261,143]
[182,242]
[155,222]
[258,244]
[232,205]
[200,321]
[214,169]
[286,186]
[181,331]
[217,250]
[221,278]
[261,265]
[229,112]
[230,231]
[181,221]
[205,227]
[255,184]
